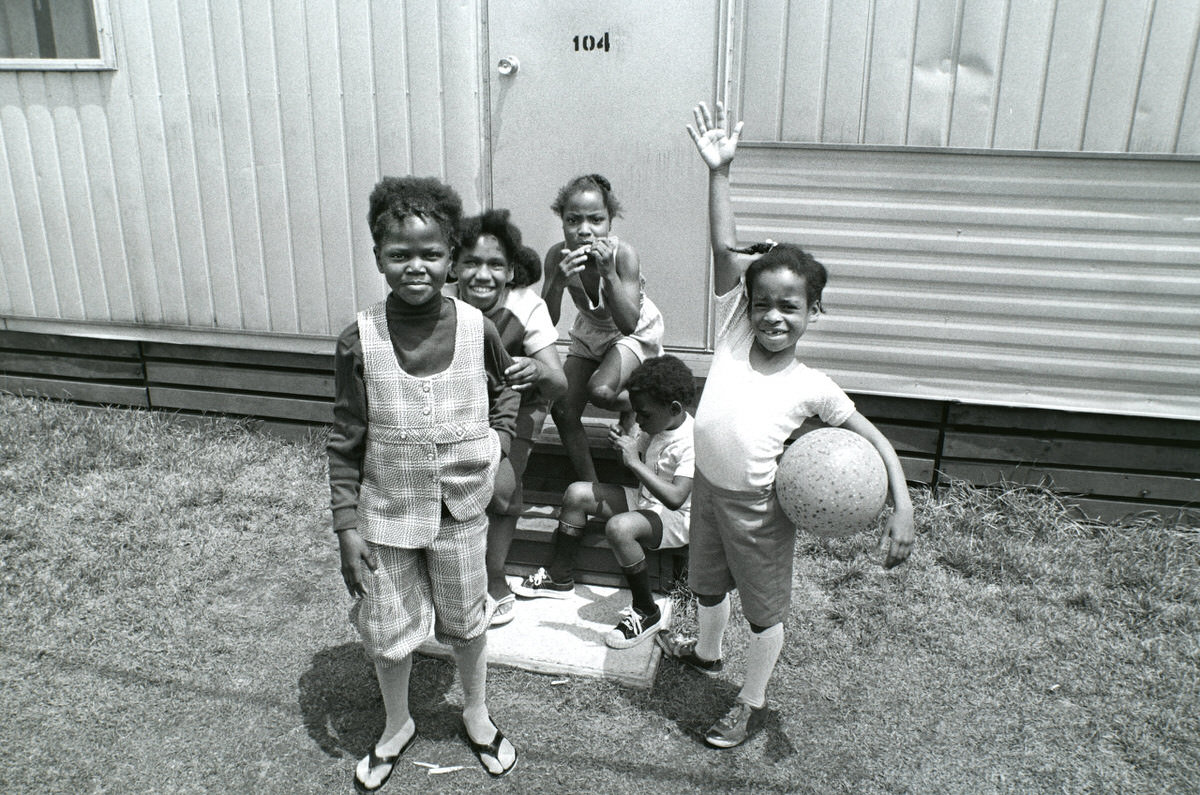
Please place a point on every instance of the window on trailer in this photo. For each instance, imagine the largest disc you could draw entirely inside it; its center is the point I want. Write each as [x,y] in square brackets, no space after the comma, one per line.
[54,34]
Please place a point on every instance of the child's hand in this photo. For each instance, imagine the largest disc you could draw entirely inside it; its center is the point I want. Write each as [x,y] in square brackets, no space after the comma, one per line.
[604,252]
[897,538]
[523,373]
[716,147]
[573,261]
[355,555]
[625,442]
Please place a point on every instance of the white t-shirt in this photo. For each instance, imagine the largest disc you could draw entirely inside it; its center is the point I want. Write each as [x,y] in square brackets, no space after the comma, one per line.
[670,453]
[531,312]
[744,417]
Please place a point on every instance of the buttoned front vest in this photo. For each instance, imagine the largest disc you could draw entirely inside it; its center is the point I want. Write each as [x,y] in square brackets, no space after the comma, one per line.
[428,438]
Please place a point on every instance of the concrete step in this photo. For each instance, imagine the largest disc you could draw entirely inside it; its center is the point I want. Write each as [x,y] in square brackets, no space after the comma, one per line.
[566,636]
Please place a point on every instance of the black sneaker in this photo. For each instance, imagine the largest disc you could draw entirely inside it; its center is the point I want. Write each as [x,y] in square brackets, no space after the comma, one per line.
[539,585]
[684,650]
[633,628]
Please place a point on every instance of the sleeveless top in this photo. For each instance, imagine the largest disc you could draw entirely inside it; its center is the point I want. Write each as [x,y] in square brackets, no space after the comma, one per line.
[428,438]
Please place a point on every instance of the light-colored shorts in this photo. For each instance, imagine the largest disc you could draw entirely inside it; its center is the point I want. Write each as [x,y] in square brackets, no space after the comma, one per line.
[508,498]
[439,588]
[742,540]
[674,523]
[591,340]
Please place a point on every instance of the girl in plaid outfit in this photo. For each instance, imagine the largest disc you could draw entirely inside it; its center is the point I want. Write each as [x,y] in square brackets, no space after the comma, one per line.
[421,419]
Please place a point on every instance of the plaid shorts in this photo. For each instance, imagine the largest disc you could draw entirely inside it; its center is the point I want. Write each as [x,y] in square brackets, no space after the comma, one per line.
[412,592]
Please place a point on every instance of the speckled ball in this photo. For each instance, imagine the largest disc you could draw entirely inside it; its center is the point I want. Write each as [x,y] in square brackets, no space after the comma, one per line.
[831,482]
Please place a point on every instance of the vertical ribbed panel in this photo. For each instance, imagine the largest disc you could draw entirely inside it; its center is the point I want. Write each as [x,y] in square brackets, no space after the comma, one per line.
[1020,280]
[1047,75]
[218,177]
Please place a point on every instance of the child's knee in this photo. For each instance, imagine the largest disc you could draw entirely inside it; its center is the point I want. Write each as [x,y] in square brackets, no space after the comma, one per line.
[758,630]
[604,395]
[710,600]
[578,496]
[623,528]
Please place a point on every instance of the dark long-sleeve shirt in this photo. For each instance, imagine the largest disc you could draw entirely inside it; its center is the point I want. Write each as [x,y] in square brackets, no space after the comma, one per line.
[423,339]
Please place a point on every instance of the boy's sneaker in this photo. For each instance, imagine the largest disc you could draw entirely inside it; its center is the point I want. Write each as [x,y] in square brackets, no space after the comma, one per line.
[684,650]
[500,611]
[732,729]
[539,585]
[633,628]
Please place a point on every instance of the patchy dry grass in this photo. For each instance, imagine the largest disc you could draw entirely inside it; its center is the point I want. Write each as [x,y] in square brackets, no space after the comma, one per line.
[172,620]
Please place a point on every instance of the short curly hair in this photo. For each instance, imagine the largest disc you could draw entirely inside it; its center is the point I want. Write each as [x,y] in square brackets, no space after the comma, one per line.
[427,198]
[528,267]
[497,224]
[665,379]
[587,182]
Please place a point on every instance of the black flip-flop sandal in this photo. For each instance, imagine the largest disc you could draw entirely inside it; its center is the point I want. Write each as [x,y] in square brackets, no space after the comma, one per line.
[374,760]
[491,749]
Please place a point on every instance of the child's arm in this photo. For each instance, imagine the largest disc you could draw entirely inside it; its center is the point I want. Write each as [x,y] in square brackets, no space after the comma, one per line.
[717,149]
[503,401]
[345,448]
[542,370]
[671,493]
[620,281]
[897,539]
[555,281]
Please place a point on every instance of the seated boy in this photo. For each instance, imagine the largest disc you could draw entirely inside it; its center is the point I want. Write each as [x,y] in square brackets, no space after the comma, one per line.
[654,516]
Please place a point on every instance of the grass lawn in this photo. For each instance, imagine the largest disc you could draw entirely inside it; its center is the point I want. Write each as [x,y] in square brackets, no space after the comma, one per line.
[173,620]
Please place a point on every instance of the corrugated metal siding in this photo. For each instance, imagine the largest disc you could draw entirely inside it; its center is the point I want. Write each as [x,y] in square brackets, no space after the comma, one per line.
[218,177]
[1051,75]
[1065,282]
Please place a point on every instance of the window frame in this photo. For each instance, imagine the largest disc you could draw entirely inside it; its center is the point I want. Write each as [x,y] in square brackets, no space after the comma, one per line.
[105,62]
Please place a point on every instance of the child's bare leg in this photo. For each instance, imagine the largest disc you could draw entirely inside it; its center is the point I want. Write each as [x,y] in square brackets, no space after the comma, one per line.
[581,500]
[501,528]
[568,416]
[627,534]
[393,684]
[606,388]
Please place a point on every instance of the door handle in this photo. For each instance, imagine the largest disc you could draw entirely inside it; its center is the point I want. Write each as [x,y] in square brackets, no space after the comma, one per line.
[508,65]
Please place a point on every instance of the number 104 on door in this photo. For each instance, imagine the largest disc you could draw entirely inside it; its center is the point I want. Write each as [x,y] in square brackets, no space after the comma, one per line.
[591,43]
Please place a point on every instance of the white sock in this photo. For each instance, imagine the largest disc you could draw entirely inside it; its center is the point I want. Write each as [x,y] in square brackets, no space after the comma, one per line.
[712,622]
[760,663]
[393,686]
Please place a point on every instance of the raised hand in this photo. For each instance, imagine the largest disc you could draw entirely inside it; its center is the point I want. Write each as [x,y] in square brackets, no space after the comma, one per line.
[715,144]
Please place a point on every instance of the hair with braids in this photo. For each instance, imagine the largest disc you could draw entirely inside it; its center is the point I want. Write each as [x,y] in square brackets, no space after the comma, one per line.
[587,182]
[786,256]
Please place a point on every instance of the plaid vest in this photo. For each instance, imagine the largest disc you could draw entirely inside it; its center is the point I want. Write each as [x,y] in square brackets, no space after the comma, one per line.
[428,439]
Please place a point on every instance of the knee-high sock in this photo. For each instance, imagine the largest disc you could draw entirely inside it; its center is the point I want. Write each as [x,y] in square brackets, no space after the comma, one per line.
[713,621]
[566,542]
[760,663]
[471,659]
[393,685]
[638,578]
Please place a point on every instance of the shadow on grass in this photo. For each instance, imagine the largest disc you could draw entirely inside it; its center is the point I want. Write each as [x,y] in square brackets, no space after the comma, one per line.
[343,710]
[693,702]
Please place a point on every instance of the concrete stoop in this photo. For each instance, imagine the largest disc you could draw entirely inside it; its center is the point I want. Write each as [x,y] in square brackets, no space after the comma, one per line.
[566,637]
